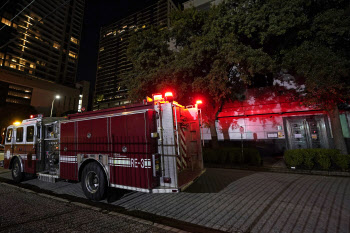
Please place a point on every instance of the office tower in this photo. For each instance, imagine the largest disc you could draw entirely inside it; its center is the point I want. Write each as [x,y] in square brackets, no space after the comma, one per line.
[39,50]
[42,40]
[114,40]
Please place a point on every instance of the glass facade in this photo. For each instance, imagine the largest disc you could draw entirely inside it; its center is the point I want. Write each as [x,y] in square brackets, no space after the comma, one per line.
[112,60]
[43,40]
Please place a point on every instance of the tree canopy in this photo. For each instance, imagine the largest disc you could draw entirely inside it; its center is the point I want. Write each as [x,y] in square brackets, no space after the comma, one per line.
[217,53]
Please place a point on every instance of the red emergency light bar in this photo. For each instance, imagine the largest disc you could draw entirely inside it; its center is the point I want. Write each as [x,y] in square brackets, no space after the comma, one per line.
[157,97]
[199,102]
[35,116]
[169,96]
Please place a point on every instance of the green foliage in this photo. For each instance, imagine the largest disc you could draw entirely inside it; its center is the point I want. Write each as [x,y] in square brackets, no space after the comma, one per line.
[323,159]
[231,156]
[317,158]
[210,155]
[215,54]
[339,160]
[309,158]
[222,157]
[293,158]
[212,52]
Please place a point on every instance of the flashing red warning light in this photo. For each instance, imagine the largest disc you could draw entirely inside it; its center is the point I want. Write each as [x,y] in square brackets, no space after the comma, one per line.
[169,96]
[31,116]
[157,97]
[199,102]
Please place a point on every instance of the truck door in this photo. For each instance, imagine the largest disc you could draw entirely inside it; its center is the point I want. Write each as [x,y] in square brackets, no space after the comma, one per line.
[30,149]
[8,150]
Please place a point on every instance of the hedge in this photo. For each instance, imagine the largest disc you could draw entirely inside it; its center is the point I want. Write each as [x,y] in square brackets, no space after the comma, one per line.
[228,155]
[317,159]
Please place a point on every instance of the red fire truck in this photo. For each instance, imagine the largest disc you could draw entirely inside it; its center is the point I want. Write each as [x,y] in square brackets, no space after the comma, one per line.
[150,147]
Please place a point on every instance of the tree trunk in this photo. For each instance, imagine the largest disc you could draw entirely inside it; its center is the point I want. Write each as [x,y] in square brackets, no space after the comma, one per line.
[337,132]
[214,135]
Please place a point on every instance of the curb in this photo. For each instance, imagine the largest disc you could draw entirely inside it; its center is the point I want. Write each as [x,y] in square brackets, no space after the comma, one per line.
[286,170]
[82,205]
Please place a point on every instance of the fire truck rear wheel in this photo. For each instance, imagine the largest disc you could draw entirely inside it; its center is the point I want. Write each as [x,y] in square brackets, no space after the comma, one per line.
[93,182]
[17,175]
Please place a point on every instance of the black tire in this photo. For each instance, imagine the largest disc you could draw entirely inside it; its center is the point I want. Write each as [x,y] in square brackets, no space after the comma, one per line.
[17,175]
[93,182]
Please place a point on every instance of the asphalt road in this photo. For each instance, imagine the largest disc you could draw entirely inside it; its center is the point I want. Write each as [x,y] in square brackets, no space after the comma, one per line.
[26,211]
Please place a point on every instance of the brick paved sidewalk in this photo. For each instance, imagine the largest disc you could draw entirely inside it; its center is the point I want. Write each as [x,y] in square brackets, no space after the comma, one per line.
[245,201]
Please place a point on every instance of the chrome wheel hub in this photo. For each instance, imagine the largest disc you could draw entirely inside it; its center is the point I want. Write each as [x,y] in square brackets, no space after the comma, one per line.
[15,170]
[92,182]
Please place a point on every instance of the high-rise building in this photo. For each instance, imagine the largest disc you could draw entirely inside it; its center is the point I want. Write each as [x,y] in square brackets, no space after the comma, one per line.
[41,38]
[39,49]
[112,60]
[201,5]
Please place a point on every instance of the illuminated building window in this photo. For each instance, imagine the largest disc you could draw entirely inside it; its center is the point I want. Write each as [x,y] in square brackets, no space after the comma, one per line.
[14,25]
[30,72]
[73,55]
[5,21]
[13,66]
[56,45]
[32,65]
[74,40]
[143,26]
[102,48]
[14,60]
[22,62]
[7,63]
[2,56]
[18,94]
[20,88]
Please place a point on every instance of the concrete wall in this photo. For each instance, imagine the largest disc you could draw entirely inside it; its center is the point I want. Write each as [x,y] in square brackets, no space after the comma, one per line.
[44,92]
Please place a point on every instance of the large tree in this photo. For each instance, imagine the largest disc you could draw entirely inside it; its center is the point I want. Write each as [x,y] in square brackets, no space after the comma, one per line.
[217,53]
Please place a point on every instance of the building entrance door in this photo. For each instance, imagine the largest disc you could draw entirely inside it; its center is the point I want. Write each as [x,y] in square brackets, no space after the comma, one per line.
[306,132]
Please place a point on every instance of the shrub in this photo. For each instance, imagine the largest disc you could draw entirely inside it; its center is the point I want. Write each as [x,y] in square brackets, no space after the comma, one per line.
[338,159]
[231,155]
[210,156]
[222,157]
[252,156]
[293,158]
[308,158]
[323,159]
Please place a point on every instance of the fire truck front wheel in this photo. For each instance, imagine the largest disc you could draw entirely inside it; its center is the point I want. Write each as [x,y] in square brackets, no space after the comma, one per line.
[17,175]
[93,182]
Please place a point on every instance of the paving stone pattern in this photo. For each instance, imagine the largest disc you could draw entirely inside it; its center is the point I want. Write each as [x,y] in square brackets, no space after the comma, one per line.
[255,202]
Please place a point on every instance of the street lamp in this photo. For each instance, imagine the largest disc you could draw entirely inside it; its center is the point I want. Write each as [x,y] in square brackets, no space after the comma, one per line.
[56,97]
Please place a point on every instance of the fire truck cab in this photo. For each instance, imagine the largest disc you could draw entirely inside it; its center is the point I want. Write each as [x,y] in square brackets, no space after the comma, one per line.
[150,147]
